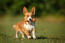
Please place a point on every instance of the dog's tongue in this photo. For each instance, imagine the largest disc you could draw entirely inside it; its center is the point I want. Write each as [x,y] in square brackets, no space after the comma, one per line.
[29,21]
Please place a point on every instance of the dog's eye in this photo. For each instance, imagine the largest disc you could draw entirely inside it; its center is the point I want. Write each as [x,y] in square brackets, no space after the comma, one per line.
[33,16]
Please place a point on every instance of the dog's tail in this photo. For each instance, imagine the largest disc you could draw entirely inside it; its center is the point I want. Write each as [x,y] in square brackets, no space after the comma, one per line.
[14,26]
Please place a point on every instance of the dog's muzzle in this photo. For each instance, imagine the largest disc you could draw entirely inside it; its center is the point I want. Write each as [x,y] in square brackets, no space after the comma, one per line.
[29,19]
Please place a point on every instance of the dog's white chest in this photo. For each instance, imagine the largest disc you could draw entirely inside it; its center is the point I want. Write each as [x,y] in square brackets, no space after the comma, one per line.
[29,27]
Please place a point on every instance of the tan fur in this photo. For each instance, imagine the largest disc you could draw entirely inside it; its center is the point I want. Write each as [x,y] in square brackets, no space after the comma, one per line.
[19,27]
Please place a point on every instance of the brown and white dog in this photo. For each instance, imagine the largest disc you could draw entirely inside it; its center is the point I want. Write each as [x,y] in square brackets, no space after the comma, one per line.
[28,26]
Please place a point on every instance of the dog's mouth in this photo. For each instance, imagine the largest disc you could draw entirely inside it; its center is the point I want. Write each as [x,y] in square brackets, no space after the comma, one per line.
[29,22]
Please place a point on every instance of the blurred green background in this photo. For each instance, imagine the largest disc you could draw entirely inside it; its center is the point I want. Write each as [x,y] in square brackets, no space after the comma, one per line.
[43,7]
[50,23]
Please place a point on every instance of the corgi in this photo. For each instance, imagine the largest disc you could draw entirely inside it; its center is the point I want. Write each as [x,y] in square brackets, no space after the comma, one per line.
[28,26]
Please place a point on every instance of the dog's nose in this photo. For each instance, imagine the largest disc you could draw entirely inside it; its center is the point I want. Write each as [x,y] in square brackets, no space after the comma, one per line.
[30,19]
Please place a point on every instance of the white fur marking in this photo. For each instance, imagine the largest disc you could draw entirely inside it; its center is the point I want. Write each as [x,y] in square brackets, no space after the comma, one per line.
[29,27]
[29,37]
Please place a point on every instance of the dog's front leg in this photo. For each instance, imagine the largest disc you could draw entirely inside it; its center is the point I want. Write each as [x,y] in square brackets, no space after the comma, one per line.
[33,34]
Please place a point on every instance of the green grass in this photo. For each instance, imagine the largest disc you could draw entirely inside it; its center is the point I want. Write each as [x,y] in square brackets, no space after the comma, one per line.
[46,32]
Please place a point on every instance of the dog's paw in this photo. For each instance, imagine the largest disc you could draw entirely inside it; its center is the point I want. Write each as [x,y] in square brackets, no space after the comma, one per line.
[34,38]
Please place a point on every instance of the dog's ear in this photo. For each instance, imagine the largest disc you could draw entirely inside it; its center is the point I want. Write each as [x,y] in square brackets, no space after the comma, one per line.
[33,10]
[25,10]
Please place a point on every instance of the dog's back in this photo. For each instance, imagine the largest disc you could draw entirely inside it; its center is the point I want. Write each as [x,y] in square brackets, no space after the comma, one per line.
[19,27]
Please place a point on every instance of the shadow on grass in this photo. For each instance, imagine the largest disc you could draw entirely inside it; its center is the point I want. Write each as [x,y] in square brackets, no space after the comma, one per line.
[41,37]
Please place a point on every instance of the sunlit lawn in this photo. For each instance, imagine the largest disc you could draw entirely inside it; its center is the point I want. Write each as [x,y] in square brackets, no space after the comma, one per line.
[46,32]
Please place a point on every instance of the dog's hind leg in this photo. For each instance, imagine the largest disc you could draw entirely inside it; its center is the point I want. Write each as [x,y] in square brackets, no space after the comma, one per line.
[22,35]
[16,29]
[17,34]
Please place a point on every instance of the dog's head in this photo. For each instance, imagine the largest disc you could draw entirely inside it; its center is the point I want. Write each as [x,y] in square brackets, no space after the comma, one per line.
[29,16]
